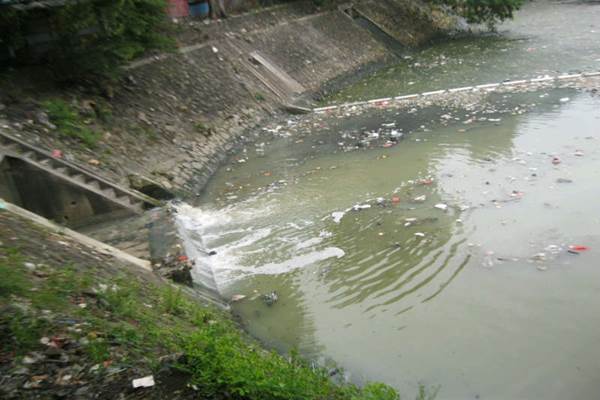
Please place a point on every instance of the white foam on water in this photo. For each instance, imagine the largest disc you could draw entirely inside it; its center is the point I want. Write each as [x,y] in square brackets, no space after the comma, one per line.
[308,243]
[204,231]
[325,234]
[296,262]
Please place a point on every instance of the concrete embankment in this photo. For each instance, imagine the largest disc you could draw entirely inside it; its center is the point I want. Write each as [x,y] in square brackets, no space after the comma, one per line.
[174,117]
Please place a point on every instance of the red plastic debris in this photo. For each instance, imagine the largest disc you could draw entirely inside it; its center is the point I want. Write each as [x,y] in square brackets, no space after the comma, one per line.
[182,258]
[576,247]
[395,200]
[56,153]
[57,342]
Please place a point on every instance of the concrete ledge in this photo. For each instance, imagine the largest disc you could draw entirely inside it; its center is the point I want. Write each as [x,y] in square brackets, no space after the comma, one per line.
[514,83]
[544,79]
[488,86]
[461,89]
[78,237]
[380,100]
[407,97]
[433,93]
[569,76]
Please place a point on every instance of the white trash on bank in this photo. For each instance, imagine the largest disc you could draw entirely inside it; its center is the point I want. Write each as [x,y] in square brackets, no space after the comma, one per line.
[147,381]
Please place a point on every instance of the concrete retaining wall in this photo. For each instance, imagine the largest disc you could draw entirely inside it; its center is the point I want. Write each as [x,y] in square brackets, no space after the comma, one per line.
[176,116]
[214,84]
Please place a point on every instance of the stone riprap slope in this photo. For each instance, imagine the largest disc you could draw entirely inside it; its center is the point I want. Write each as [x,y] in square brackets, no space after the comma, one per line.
[174,117]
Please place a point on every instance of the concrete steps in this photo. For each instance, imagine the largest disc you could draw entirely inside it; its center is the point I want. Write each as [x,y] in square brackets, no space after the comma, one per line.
[75,175]
[270,75]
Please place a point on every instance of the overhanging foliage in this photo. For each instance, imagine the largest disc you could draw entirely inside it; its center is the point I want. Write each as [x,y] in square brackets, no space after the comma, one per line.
[90,38]
[483,11]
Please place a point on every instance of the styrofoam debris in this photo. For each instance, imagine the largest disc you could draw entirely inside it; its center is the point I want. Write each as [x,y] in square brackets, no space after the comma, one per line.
[147,381]
[337,216]
[441,206]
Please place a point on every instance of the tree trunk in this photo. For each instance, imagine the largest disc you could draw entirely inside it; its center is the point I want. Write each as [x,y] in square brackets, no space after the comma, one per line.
[217,9]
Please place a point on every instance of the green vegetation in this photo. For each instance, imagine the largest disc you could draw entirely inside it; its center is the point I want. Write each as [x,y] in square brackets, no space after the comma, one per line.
[483,11]
[127,320]
[474,11]
[143,131]
[69,122]
[103,111]
[203,128]
[93,38]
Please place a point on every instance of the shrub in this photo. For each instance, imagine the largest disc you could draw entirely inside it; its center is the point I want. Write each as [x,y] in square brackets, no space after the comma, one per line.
[221,362]
[483,11]
[378,391]
[93,38]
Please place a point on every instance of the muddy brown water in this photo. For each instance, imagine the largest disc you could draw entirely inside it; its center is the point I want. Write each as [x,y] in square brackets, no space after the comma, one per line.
[429,246]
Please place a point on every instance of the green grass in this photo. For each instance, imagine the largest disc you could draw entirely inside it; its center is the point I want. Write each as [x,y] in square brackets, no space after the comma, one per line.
[142,131]
[24,331]
[98,350]
[201,127]
[103,111]
[13,280]
[172,301]
[130,321]
[69,122]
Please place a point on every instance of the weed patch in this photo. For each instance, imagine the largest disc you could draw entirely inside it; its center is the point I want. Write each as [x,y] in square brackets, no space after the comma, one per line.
[126,321]
[69,122]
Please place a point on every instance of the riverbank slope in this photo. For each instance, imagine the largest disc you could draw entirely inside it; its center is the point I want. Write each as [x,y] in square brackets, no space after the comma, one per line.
[78,323]
[174,117]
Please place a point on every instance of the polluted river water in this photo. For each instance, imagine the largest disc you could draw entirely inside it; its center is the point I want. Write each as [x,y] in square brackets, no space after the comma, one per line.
[545,38]
[451,244]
